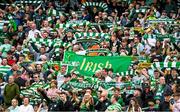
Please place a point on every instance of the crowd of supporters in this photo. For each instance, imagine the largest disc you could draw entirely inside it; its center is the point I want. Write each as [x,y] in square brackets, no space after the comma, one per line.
[34,34]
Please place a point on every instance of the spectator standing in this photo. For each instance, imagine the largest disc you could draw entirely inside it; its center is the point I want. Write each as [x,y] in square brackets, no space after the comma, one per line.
[102,103]
[11,91]
[87,103]
[26,107]
[165,105]
[177,102]
[134,106]
[115,106]
[2,86]
[14,106]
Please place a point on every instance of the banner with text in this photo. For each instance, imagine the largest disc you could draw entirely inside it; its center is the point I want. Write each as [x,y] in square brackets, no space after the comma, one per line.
[88,65]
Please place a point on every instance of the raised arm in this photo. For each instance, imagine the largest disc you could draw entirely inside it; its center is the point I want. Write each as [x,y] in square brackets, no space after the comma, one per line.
[43,94]
[33,49]
[37,7]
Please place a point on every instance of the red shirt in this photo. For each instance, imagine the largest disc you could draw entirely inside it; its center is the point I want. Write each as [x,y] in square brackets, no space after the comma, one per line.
[11,62]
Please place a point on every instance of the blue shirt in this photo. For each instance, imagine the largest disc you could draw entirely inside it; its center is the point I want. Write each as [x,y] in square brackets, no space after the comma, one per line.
[12,109]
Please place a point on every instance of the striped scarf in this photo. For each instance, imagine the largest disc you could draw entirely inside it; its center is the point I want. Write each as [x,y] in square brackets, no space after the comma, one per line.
[20,2]
[152,82]
[167,21]
[129,72]
[160,90]
[68,25]
[102,5]
[92,34]
[32,93]
[160,37]
[56,43]
[143,10]
[165,65]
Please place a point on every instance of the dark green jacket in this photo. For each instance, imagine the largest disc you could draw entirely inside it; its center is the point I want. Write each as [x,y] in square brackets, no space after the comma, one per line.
[11,91]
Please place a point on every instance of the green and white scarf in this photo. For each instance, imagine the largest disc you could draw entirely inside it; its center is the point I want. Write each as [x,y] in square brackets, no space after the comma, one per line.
[68,25]
[130,72]
[92,34]
[32,93]
[165,65]
[167,21]
[160,37]
[55,43]
[20,2]
[102,5]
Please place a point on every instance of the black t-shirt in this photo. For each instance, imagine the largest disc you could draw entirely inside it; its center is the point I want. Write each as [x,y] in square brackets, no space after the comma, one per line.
[20,82]
[164,106]
[170,79]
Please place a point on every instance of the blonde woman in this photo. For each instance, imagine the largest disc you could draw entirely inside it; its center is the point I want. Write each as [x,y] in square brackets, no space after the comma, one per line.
[87,103]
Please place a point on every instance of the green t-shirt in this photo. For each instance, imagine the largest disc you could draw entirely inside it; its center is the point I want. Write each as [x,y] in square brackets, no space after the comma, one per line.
[4,69]
[3,35]
[120,100]
[115,106]
[4,49]
[84,108]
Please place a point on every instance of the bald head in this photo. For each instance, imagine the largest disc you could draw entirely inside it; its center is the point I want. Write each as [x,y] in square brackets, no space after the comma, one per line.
[11,79]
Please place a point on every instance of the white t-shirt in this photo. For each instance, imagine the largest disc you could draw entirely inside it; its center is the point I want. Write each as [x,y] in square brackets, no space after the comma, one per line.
[60,79]
[32,33]
[152,42]
[12,109]
[28,108]
[108,79]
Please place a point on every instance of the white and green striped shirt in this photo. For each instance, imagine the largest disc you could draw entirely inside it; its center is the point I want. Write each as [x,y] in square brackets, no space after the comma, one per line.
[4,49]
[4,69]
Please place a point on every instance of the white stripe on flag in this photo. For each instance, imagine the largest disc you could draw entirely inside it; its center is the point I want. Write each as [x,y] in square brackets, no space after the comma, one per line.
[131,72]
[90,3]
[122,73]
[97,3]
[87,3]
[127,73]
[165,64]
[91,34]
[173,64]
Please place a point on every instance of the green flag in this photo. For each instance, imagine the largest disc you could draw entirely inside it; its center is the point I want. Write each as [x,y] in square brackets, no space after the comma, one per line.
[89,64]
